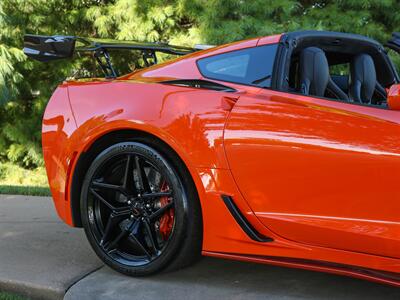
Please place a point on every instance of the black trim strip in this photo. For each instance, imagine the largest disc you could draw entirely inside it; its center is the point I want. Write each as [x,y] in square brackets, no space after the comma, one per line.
[376,274]
[243,223]
[201,84]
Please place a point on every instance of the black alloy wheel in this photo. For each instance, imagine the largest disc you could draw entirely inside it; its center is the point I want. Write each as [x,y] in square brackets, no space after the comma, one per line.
[138,213]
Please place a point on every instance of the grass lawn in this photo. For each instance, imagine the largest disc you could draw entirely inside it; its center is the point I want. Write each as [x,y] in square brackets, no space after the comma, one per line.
[24,190]
[7,296]
[19,181]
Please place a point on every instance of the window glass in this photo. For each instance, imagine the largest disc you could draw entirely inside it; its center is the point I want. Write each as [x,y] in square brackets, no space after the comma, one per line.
[251,66]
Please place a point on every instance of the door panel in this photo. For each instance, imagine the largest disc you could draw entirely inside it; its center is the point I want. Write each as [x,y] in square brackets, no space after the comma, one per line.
[317,171]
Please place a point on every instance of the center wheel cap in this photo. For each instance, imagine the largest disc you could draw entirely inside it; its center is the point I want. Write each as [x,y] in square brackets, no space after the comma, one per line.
[136,212]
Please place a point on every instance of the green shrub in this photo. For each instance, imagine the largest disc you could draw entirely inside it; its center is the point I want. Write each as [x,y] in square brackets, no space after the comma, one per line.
[26,85]
[11,174]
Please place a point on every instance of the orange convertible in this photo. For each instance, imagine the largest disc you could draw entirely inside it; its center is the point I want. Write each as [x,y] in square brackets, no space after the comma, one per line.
[282,150]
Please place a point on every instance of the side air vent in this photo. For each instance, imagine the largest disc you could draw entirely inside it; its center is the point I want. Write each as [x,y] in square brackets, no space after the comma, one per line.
[243,223]
[201,84]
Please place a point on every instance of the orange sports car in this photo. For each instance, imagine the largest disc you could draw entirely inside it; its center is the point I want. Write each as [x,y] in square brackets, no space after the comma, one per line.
[282,150]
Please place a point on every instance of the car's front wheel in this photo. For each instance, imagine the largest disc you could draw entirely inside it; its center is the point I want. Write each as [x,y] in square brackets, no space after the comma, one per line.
[139,210]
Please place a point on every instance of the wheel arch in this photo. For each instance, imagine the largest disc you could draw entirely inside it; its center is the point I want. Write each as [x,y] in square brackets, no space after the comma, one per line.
[107,139]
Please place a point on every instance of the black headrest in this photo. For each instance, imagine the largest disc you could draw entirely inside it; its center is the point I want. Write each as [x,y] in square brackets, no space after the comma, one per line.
[362,78]
[314,71]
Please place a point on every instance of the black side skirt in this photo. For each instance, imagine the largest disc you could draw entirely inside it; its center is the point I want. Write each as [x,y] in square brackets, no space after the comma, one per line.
[243,223]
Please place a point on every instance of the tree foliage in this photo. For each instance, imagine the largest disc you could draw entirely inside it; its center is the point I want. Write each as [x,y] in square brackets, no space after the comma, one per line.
[25,86]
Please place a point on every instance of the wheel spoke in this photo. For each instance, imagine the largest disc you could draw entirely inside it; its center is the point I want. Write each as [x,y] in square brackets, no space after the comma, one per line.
[150,234]
[114,243]
[123,234]
[143,180]
[113,187]
[115,217]
[122,211]
[116,210]
[110,224]
[156,195]
[161,211]
[129,181]
[104,201]
[141,246]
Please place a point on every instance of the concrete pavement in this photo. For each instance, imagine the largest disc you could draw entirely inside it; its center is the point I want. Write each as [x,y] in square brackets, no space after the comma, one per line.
[42,258]
[221,279]
[39,256]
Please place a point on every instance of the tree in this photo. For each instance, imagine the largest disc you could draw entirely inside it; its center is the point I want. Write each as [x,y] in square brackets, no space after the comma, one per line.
[25,86]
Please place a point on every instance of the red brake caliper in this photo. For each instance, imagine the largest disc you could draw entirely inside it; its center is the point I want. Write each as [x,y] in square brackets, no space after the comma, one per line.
[167,220]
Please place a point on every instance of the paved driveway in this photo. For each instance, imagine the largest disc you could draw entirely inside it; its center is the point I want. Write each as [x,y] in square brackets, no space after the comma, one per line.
[43,258]
[40,256]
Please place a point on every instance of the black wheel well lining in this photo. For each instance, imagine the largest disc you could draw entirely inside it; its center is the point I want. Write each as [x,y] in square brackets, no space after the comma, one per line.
[106,140]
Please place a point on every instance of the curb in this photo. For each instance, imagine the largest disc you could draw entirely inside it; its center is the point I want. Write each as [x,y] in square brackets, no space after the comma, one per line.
[56,258]
[31,291]
[81,278]
[40,292]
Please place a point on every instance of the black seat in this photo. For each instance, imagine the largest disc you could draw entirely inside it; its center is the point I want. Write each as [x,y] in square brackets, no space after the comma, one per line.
[314,75]
[342,81]
[362,79]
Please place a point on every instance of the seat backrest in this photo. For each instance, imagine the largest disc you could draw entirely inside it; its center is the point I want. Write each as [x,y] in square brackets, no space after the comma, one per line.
[342,81]
[362,78]
[314,72]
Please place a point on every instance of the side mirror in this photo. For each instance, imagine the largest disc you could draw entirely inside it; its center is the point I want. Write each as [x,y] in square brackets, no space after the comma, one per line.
[393,97]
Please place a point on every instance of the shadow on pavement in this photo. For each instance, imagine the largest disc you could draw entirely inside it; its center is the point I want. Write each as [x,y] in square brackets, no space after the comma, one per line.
[221,279]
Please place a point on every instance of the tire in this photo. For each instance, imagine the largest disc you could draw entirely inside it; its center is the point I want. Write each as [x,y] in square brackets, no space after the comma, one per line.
[140,209]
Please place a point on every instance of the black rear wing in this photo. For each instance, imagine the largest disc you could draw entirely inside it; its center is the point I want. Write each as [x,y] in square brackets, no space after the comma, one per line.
[48,48]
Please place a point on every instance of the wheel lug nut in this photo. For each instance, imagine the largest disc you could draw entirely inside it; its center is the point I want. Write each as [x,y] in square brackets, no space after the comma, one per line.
[129,202]
[131,216]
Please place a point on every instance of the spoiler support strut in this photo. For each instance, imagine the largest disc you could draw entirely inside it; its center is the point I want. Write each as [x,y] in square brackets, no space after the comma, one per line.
[106,65]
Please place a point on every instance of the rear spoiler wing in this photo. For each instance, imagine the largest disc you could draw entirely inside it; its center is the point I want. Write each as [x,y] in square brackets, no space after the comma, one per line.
[48,48]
